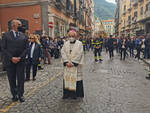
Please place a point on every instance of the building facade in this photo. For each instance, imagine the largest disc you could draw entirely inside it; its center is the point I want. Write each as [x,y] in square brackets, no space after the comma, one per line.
[135,17]
[100,29]
[109,26]
[51,17]
[117,18]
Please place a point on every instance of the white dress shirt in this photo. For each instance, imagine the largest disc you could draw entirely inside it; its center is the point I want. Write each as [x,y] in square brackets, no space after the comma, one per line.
[32,50]
[14,32]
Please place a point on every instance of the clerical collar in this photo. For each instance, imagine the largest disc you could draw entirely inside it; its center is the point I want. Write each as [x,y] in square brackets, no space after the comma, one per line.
[73,42]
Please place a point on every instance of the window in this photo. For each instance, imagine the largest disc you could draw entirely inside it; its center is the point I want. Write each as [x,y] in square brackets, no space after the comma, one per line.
[141,11]
[148,7]
[135,14]
[129,18]
[124,7]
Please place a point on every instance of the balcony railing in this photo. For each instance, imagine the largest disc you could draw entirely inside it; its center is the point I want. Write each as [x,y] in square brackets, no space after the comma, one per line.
[141,0]
[139,18]
[60,4]
[147,14]
[144,16]
[129,9]
[134,20]
[135,2]
[124,13]
[129,23]
[69,8]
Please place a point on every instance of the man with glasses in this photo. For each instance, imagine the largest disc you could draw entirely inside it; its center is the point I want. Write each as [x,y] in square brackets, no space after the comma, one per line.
[14,47]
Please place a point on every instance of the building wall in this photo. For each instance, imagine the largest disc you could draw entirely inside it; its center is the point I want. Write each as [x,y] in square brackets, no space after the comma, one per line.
[109,26]
[60,22]
[60,14]
[138,22]
[26,12]
[25,9]
[13,1]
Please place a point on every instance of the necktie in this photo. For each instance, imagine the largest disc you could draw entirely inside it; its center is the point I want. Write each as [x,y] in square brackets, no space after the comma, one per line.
[31,45]
[17,34]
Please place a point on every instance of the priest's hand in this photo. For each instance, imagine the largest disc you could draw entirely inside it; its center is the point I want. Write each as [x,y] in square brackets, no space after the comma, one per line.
[69,65]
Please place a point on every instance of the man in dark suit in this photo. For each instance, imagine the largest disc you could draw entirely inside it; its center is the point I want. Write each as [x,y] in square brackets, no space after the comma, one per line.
[110,45]
[14,47]
[124,45]
[33,57]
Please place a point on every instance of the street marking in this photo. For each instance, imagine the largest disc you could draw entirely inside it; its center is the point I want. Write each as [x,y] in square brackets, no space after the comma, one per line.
[7,108]
[30,93]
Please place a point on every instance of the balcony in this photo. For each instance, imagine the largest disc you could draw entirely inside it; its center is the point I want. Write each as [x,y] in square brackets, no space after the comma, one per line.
[129,23]
[135,3]
[144,17]
[129,9]
[134,20]
[69,13]
[124,13]
[60,4]
[69,8]
[147,14]
[139,18]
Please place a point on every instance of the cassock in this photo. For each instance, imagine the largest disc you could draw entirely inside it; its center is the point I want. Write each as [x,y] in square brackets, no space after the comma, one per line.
[73,76]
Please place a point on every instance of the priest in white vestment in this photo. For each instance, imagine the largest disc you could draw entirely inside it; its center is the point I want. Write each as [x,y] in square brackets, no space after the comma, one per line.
[72,57]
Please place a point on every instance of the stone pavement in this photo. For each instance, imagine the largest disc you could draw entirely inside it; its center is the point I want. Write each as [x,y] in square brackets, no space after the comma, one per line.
[113,86]
[44,77]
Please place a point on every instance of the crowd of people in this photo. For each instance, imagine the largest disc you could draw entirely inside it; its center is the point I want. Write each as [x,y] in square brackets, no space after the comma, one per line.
[22,51]
[137,47]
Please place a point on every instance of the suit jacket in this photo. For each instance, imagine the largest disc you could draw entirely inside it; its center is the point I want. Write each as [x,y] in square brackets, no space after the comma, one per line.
[131,44]
[36,55]
[110,44]
[126,44]
[14,47]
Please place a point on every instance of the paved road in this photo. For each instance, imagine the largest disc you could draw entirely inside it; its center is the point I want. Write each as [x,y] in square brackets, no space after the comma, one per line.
[111,87]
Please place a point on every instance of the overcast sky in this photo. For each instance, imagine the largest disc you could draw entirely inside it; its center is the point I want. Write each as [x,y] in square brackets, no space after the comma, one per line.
[112,1]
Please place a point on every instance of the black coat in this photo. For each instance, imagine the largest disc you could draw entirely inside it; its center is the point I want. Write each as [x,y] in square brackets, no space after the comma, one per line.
[36,55]
[110,44]
[14,47]
[131,44]
[126,44]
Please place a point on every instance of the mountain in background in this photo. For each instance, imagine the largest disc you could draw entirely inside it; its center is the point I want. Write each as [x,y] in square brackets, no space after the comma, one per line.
[104,10]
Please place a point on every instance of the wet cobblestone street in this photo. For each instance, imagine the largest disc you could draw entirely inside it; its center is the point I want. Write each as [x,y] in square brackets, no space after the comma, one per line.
[113,86]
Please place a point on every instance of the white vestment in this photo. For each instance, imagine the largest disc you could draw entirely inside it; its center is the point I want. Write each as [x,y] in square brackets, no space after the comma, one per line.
[72,53]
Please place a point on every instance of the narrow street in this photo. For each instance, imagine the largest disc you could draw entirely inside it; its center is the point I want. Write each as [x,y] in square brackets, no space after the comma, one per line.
[111,87]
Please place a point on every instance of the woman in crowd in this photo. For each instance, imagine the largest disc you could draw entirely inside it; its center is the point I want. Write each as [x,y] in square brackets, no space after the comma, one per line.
[38,41]
[33,56]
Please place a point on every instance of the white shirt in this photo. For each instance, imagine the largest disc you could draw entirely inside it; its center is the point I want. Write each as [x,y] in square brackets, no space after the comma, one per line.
[32,50]
[14,32]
